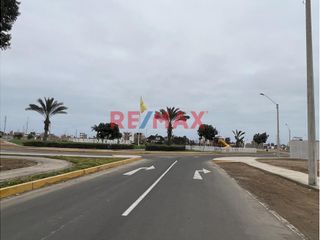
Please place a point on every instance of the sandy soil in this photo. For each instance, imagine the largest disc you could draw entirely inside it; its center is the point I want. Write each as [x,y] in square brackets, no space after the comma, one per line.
[11,163]
[299,165]
[296,203]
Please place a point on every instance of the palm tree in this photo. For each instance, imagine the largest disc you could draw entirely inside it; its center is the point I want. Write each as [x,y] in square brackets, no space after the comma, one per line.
[239,136]
[171,115]
[47,108]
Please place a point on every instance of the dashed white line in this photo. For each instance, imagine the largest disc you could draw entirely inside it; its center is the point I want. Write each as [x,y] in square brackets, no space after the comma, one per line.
[133,205]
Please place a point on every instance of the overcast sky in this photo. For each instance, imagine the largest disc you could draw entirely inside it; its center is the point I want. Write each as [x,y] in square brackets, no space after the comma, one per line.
[215,56]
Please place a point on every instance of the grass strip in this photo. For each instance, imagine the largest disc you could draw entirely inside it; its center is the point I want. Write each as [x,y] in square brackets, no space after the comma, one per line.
[78,163]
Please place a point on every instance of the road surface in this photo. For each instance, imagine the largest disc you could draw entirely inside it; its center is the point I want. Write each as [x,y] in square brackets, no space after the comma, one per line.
[159,198]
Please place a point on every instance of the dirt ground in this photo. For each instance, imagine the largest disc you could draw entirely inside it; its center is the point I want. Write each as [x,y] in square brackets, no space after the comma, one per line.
[11,163]
[296,203]
[299,165]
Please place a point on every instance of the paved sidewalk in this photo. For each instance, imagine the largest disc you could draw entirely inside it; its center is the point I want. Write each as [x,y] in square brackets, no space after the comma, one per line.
[43,165]
[296,176]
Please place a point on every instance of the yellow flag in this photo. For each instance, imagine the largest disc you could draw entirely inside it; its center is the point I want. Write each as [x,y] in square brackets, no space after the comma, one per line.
[143,107]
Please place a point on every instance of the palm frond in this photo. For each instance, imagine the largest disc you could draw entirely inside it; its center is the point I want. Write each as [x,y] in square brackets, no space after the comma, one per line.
[36,108]
[42,104]
[59,110]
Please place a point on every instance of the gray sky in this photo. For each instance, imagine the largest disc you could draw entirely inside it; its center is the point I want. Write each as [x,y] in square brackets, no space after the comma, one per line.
[216,56]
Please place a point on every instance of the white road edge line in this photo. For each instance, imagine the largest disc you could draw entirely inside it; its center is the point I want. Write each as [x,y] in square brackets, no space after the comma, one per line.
[133,205]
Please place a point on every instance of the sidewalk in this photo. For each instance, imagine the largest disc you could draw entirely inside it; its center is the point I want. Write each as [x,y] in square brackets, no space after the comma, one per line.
[295,176]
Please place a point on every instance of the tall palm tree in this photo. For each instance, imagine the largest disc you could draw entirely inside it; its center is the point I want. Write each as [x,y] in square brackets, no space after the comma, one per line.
[171,115]
[239,136]
[47,108]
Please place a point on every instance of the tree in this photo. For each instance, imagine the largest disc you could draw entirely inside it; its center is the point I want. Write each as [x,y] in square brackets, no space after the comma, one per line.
[208,132]
[239,136]
[18,135]
[180,140]
[260,138]
[9,14]
[109,131]
[48,108]
[171,116]
[31,135]
[155,139]
[227,140]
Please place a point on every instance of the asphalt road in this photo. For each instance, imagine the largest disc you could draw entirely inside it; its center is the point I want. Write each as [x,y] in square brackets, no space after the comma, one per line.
[162,203]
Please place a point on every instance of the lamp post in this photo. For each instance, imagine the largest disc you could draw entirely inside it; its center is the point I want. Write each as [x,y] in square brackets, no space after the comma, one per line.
[312,163]
[278,127]
[289,132]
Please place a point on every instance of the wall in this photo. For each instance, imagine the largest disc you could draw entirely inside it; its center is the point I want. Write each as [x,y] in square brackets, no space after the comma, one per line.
[299,149]
[220,149]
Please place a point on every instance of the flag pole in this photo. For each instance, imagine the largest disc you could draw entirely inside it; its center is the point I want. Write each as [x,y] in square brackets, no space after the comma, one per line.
[139,128]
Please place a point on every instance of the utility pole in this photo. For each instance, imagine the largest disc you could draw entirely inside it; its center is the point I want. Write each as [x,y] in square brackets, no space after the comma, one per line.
[312,163]
[5,124]
[27,125]
[278,131]
[289,132]
[278,122]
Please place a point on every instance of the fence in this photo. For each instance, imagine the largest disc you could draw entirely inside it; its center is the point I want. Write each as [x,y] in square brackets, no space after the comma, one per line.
[94,140]
[220,149]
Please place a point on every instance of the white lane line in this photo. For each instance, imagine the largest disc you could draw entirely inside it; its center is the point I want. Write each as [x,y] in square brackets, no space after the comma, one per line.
[133,205]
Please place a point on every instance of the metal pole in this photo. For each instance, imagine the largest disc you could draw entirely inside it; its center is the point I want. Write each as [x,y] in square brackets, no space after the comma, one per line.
[278,131]
[289,131]
[289,134]
[312,164]
[5,124]
[278,123]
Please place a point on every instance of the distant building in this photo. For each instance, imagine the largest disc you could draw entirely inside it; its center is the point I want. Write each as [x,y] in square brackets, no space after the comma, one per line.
[83,136]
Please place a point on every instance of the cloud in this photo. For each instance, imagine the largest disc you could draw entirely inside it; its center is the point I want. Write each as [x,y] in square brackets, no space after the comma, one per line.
[198,55]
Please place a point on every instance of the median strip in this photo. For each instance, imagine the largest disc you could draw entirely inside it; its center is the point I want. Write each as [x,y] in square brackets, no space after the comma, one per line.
[32,185]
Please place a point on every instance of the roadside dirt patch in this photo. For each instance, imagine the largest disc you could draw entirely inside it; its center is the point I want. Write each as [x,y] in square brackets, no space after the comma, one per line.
[12,163]
[296,203]
[299,165]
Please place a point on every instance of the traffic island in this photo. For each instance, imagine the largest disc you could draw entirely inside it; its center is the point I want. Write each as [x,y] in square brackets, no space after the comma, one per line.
[81,166]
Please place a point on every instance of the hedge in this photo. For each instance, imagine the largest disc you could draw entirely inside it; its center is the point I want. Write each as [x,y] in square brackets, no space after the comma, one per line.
[77,145]
[160,147]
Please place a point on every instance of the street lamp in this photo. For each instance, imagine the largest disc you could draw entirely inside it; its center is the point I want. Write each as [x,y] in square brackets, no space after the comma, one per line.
[289,132]
[278,127]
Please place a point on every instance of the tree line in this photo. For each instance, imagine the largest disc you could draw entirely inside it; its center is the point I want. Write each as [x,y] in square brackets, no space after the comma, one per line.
[48,107]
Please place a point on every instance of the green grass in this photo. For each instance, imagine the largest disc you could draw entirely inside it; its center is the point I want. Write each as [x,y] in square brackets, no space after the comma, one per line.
[17,141]
[78,163]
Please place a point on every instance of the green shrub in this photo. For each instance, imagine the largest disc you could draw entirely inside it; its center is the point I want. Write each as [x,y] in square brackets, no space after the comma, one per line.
[77,145]
[160,147]
[139,146]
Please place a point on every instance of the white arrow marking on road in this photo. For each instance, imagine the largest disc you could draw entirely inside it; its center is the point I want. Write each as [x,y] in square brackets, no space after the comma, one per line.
[138,169]
[197,174]
[133,205]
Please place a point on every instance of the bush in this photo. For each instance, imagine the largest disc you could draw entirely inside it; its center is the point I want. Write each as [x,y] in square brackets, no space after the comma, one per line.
[160,147]
[77,145]
[31,135]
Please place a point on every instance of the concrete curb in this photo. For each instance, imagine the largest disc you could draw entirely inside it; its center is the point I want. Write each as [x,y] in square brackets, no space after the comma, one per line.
[217,160]
[28,186]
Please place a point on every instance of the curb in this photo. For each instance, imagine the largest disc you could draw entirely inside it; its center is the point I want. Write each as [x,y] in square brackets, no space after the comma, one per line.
[273,173]
[28,186]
